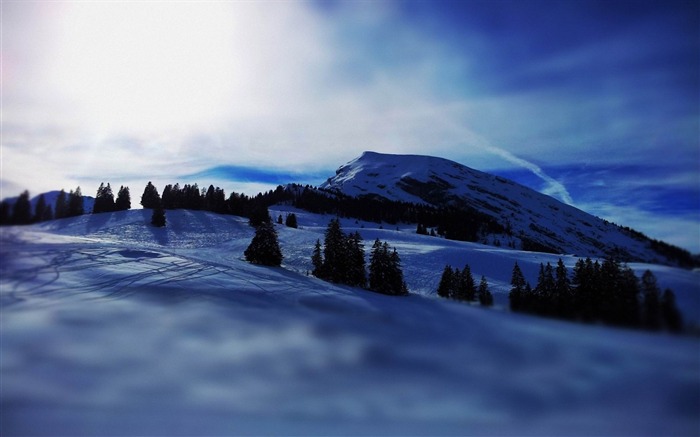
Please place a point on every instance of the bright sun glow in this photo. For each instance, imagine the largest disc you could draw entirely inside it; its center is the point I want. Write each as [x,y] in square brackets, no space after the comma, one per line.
[150,66]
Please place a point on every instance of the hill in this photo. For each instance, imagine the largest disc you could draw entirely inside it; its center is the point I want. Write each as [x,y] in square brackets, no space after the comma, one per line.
[524,218]
[111,324]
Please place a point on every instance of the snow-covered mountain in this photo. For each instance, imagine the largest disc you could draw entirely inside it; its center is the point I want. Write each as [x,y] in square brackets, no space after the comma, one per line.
[110,325]
[530,219]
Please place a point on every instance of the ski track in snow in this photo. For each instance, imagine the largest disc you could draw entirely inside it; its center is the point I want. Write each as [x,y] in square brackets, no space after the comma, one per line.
[110,327]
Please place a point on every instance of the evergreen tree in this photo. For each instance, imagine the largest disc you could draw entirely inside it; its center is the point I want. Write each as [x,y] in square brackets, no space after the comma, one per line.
[39,209]
[356,275]
[517,290]
[47,214]
[466,289]
[334,254]
[485,296]
[75,203]
[652,307]
[317,261]
[562,291]
[158,216]
[629,295]
[671,316]
[385,274]
[150,199]
[22,212]
[104,200]
[280,220]
[61,205]
[264,248]
[259,216]
[123,202]
[4,213]
[447,281]
[291,220]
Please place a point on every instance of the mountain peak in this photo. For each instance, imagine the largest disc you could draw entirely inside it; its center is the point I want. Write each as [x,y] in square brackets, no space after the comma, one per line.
[531,220]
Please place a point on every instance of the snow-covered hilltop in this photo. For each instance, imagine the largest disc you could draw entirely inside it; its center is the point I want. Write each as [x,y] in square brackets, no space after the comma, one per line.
[529,219]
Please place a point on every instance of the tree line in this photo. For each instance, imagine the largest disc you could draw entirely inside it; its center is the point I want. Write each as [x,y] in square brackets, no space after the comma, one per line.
[609,293]
[459,285]
[69,204]
[341,260]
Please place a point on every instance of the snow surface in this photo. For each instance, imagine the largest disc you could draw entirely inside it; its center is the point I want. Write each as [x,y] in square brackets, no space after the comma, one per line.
[112,327]
[527,212]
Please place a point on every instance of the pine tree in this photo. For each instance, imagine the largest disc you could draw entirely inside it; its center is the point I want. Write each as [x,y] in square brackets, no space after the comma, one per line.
[334,254]
[466,289]
[356,275]
[22,211]
[629,293]
[485,296]
[264,248]
[291,220]
[158,216]
[61,205]
[446,285]
[104,200]
[150,199]
[563,304]
[317,261]
[280,220]
[39,209]
[123,202]
[517,290]
[4,213]
[385,274]
[259,216]
[75,203]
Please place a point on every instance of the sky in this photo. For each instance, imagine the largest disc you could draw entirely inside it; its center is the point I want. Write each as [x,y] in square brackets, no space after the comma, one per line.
[594,102]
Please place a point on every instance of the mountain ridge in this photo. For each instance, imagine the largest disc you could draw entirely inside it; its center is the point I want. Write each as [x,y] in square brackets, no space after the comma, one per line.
[532,220]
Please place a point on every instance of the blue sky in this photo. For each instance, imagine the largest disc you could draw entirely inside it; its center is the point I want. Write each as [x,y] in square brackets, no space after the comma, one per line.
[594,102]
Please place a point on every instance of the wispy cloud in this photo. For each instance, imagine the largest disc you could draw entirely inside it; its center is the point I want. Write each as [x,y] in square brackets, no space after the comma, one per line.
[97,90]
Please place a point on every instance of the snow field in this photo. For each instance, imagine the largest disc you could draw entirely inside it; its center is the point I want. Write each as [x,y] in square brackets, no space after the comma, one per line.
[112,327]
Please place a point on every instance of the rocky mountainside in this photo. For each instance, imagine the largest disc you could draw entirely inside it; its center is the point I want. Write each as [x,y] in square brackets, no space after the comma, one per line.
[531,220]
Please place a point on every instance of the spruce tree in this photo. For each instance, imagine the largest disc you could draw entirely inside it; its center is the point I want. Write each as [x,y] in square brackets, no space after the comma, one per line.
[291,220]
[517,290]
[61,205]
[150,199]
[563,304]
[22,211]
[317,261]
[356,275]
[39,210]
[264,248]
[75,203]
[158,216]
[385,274]
[485,296]
[334,254]
[466,288]
[123,201]
[104,200]
[258,216]
[4,213]
[446,285]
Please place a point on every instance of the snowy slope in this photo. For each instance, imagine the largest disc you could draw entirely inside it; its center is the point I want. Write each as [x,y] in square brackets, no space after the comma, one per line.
[528,213]
[110,326]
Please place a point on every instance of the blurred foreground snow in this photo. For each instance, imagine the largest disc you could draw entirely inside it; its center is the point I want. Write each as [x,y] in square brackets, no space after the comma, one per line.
[116,328]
